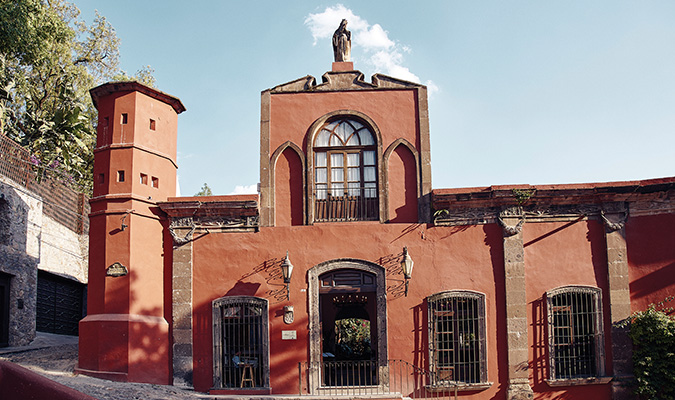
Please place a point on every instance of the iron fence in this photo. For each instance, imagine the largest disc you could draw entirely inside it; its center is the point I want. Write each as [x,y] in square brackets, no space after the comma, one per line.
[359,378]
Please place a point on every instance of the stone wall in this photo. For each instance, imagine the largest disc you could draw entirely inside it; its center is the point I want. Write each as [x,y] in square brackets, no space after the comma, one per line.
[21,215]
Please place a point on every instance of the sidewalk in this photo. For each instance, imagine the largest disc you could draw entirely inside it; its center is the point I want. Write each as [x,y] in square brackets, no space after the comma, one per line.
[42,341]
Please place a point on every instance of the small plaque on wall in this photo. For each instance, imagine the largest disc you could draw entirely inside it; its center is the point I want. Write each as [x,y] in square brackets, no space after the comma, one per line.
[116,270]
[289,335]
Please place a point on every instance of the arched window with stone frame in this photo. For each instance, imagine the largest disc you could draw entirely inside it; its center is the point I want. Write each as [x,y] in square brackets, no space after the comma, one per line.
[575,333]
[457,341]
[345,176]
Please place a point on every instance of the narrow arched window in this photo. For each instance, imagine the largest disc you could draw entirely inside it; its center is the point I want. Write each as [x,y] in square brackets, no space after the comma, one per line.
[345,172]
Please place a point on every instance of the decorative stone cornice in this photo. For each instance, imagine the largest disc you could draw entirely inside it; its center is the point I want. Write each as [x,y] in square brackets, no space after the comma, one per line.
[343,80]
[555,202]
[612,226]
[510,213]
[210,214]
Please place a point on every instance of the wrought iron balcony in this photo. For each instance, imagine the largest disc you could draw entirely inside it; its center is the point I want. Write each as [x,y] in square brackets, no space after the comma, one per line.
[352,204]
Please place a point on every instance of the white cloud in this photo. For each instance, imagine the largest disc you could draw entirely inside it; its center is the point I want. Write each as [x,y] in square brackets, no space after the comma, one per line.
[390,62]
[432,88]
[373,38]
[250,189]
[322,25]
[382,53]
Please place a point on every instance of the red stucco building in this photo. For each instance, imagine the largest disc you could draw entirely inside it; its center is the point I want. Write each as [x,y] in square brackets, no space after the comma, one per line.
[513,293]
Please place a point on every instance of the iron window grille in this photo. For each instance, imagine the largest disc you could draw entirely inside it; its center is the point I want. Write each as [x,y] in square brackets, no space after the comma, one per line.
[241,342]
[457,349]
[575,332]
[345,172]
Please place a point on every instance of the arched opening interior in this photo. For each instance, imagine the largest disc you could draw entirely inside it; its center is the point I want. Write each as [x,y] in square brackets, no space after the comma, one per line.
[347,325]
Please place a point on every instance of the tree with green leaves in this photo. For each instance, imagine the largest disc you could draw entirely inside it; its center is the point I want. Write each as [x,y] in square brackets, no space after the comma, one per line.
[50,59]
[204,191]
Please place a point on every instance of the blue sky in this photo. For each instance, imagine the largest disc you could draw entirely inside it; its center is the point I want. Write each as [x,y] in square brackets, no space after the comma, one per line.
[520,91]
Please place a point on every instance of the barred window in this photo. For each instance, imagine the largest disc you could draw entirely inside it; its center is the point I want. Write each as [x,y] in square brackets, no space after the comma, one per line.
[575,332]
[241,342]
[457,337]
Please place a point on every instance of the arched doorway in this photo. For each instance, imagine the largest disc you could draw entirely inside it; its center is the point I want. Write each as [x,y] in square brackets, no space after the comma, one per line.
[348,333]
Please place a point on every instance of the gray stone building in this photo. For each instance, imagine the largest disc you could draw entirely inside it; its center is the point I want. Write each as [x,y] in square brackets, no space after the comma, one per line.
[43,251]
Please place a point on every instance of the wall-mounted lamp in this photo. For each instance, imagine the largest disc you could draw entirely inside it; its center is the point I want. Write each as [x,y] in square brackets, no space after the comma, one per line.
[125,226]
[286,272]
[406,267]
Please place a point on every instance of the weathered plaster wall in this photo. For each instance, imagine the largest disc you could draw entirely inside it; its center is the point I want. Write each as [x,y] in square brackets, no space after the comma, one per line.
[393,111]
[63,251]
[560,254]
[650,243]
[446,258]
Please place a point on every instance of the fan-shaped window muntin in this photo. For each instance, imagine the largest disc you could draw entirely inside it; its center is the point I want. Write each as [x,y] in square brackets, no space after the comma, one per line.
[342,133]
[344,160]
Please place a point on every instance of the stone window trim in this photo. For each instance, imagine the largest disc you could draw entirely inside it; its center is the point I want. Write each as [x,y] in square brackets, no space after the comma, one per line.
[603,380]
[216,306]
[309,168]
[460,386]
[598,332]
[273,164]
[314,320]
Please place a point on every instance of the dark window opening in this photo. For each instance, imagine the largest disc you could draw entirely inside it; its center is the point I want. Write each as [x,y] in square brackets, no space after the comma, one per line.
[120,176]
[101,179]
[155,182]
[144,179]
[152,124]
[125,118]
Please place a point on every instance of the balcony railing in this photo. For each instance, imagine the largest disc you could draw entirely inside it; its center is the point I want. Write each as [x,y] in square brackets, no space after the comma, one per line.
[358,204]
[363,378]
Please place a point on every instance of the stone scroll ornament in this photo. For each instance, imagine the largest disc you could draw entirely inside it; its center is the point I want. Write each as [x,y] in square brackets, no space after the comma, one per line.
[342,43]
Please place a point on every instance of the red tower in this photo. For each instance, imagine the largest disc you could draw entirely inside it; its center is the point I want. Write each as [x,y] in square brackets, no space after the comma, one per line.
[125,335]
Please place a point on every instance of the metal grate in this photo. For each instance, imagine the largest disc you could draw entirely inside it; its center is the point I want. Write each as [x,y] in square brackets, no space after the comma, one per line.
[15,162]
[575,332]
[241,342]
[457,337]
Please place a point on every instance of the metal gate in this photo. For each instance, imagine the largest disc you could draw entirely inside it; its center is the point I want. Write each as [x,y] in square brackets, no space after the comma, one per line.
[60,304]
